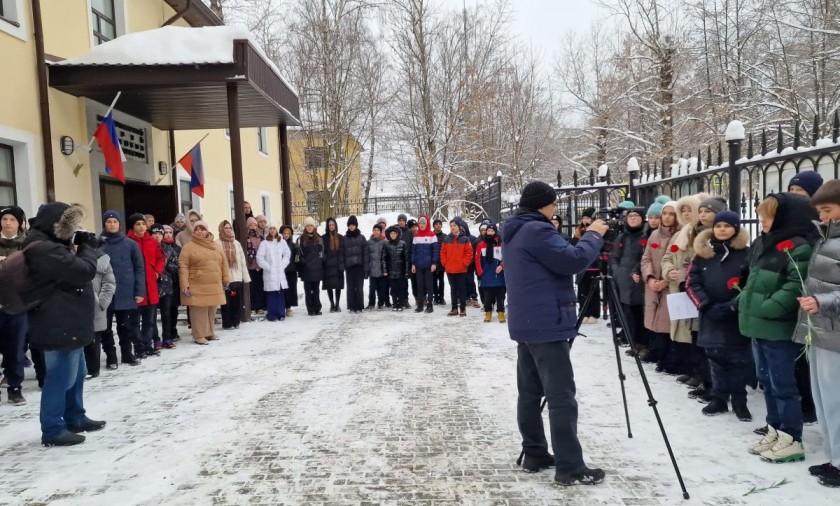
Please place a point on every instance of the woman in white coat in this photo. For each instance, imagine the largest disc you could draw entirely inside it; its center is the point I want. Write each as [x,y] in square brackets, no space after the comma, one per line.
[273,256]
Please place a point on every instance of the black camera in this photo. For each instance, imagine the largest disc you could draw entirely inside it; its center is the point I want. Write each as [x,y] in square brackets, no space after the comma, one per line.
[614,218]
[83,237]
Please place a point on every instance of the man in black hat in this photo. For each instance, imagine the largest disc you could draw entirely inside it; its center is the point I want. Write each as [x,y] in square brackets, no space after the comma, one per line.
[13,327]
[539,265]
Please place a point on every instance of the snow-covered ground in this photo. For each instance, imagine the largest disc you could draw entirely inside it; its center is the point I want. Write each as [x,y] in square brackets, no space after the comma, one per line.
[378,408]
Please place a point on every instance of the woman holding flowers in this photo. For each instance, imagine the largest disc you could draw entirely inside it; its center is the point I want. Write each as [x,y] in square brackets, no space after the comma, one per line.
[712,285]
[767,312]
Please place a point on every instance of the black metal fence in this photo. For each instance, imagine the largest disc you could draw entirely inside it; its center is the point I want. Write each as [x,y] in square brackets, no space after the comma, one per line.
[409,204]
[483,202]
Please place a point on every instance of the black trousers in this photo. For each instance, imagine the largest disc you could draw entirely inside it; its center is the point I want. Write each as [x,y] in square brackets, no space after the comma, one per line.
[355,287]
[458,290]
[93,353]
[128,331]
[494,295]
[174,306]
[587,279]
[802,372]
[166,316]
[256,289]
[437,280]
[635,318]
[425,286]
[469,283]
[233,306]
[312,294]
[148,324]
[378,290]
[399,287]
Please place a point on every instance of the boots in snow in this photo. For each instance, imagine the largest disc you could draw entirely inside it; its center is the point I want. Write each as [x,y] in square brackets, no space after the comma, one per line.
[488,316]
[785,450]
[716,407]
[463,312]
[831,478]
[742,412]
[531,464]
[454,312]
[502,318]
[419,308]
[66,438]
[766,443]
[429,309]
[586,477]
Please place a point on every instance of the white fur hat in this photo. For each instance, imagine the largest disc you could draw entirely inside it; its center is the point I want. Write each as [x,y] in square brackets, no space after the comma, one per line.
[310,221]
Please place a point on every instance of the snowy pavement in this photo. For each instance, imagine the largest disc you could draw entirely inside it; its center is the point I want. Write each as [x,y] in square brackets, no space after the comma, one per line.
[378,408]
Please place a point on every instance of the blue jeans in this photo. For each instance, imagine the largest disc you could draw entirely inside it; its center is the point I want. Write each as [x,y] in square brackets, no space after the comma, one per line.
[775,362]
[545,369]
[275,303]
[730,369]
[61,397]
[13,328]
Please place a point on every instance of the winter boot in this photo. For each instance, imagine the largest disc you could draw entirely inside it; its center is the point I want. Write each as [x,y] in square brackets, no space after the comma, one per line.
[66,438]
[693,383]
[429,309]
[821,469]
[87,425]
[697,392]
[453,312]
[502,318]
[761,431]
[463,312]
[742,412]
[766,443]
[785,450]
[683,378]
[15,397]
[716,407]
[586,477]
[488,316]
[531,464]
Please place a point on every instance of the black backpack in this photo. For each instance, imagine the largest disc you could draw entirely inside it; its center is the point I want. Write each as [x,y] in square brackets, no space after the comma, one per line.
[13,272]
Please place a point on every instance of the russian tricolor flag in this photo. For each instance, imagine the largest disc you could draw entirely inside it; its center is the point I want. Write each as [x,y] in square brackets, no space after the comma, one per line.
[106,135]
[191,162]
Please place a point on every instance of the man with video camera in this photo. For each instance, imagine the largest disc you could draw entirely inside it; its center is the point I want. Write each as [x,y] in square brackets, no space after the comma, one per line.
[539,265]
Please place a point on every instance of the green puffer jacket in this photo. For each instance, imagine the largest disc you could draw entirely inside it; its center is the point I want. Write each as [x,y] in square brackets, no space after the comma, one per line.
[9,246]
[767,306]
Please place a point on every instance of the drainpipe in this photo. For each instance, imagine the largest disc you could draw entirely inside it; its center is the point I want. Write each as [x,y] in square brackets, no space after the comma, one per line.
[44,100]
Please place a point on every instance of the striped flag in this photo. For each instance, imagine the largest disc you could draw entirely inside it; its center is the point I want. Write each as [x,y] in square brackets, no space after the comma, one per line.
[191,162]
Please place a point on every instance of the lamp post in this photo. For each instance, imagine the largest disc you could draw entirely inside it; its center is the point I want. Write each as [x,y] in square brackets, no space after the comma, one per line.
[734,137]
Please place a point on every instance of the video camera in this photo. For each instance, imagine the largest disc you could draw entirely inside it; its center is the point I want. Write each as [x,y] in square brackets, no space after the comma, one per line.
[614,218]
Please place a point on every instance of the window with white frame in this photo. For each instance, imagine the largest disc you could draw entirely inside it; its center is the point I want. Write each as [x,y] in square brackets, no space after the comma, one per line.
[262,140]
[231,205]
[8,194]
[103,21]
[13,19]
[9,12]
[266,206]
[188,199]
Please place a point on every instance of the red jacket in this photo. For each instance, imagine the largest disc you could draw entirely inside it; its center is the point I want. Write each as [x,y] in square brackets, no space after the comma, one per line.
[154,262]
[456,254]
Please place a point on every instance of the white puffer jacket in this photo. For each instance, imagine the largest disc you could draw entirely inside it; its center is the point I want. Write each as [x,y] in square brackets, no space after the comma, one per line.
[273,257]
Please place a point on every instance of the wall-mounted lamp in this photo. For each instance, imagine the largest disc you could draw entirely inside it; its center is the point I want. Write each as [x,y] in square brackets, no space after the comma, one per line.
[163,169]
[67,145]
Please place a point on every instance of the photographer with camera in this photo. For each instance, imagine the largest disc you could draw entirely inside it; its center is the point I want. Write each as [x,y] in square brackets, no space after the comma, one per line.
[539,266]
[62,323]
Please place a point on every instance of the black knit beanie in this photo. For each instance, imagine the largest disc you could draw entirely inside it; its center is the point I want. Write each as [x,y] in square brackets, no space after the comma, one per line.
[536,195]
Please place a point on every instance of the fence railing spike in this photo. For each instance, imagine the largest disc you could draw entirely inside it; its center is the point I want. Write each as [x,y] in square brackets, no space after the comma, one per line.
[815,133]
[750,146]
[797,138]
[835,131]
[763,141]
[780,142]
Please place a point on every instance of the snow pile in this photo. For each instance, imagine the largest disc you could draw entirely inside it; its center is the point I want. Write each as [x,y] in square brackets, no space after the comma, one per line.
[633,165]
[735,131]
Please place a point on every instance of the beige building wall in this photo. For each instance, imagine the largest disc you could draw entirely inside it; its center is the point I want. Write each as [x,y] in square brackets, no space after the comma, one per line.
[67,28]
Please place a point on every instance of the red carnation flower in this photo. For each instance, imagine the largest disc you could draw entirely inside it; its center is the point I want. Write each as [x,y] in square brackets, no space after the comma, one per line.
[233,294]
[785,246]
[643,242]
[733,284]
[674,248]
[655,245]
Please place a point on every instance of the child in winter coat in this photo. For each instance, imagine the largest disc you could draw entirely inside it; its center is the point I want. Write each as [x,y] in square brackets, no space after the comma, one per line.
[290,294]
[657,319]
[273,257]
[625,260]
[425,253]
[491,273]
[311,265]
[767,312]
[395,267]
[819,314]
[165,287]
[238,275]
[356,265]
[378,287]
[721,253]
[333,264]
[104,285]
[456,257]
[154,264]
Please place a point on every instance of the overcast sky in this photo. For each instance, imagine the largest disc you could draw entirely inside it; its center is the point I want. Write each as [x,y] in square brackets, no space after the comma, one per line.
[544,22]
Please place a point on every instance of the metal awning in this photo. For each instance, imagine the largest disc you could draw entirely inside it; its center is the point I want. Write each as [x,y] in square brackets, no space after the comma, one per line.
[178,79]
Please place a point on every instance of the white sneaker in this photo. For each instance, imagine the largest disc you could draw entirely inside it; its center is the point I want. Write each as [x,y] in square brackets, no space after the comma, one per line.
[785,450]
[766,443]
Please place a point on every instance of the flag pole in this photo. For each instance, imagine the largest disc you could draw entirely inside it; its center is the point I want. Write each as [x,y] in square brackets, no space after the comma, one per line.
[110,108]
[193,147]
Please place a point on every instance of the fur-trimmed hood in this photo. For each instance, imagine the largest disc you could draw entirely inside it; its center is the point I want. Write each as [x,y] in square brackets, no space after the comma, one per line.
[58,220]
[686,228]
[703,242]
[190,225]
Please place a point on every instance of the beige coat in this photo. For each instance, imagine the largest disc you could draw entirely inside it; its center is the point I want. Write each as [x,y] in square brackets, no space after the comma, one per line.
[185,236]
[656,305]
[678,261]
[204,270]
[239,272]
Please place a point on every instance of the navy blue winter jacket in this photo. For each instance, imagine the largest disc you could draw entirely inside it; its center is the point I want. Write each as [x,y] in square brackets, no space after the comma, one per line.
[129,270]
[539,265]
[425,251]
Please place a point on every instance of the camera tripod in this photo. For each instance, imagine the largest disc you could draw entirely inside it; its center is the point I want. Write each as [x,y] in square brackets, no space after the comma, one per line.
[618,318]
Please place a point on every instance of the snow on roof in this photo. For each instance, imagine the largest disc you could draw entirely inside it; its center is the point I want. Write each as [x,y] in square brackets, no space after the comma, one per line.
[172,45]
[735,131]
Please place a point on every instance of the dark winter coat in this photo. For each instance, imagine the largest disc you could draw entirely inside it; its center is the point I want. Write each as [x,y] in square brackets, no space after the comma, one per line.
[767,306]
[406,236]
[356,251]
[375,249]
[425,251]
[9,246]
[539,265]
[714,264]
[168,280]
[153,262]
[440,237]
[128,264]
[395,260]
[62,279]
[625,260]
[823,283]
[291,269]
[333,263]
[311,257]
[485,267]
